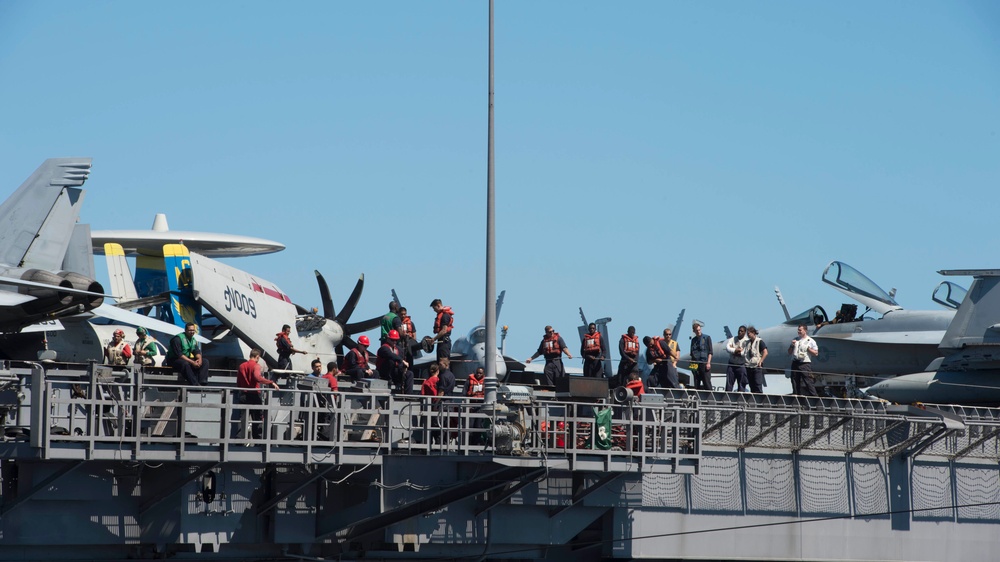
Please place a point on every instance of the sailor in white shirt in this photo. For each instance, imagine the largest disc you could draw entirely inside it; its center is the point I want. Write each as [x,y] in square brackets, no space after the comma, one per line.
[802,350]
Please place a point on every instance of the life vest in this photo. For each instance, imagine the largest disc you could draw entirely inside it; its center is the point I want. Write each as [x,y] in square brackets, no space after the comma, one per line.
[636,387]
[592,342]
[283,344]
[386,325]
[437,320]
[380,363]
[475,388]
[362,357]
[119,354]
[631,345]
[407,325]
[753,352]
[656,350]
[551,345]
[189,347]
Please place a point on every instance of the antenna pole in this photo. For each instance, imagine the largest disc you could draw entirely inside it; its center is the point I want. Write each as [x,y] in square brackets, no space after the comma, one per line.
[490,397]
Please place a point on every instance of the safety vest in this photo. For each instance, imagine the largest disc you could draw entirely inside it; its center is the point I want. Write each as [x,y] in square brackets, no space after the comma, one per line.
[283,344]
[592,342]
[407,326]
[380,363]
[631,345]
[551,344]
[119,354]
[386,324]
[362,357]
[188,347]
[437,321]
[656,350]
[753,352]
[475,388]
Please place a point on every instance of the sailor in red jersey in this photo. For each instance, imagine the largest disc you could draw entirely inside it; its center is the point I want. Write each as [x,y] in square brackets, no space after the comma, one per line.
[249,379]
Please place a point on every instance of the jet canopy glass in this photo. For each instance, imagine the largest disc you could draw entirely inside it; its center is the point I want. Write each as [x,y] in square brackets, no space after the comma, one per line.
[949,294]
[856,285]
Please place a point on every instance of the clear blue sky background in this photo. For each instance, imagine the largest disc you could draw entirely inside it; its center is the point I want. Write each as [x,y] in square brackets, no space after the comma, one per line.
[651,156]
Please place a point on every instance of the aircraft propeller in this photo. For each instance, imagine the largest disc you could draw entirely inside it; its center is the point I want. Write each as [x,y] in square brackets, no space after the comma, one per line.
[329,313]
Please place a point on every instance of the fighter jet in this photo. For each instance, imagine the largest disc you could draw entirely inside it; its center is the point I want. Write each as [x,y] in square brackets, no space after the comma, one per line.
[896,342]
[43,273]
[468,352]
[968,371]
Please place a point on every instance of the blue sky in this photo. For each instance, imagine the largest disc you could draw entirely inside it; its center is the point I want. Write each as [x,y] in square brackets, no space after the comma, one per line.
[650,156]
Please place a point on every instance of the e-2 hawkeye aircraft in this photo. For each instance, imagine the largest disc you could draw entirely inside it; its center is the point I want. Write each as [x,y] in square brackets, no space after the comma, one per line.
[255,309]
[898,342]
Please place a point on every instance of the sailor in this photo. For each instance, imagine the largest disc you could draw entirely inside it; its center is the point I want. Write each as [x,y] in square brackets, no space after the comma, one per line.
[392,367]
[117,352]
[673,353]
[802,350]
[248,380]
[285,348]
[592,351]
[658,356]
[756,353]
[552,347]
[184,355]
[736,370]
[144,349]
[356,361]
[391,321]
[475,387]
[407,335]
[443,323]
[317,368]
[635,384]
[446,379]
[628,348]
[331,375]
[701,357]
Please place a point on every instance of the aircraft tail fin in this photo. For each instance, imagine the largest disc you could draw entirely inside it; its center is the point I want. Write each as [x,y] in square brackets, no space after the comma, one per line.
[119,274]
[183,307]
[37,220]
[975,323]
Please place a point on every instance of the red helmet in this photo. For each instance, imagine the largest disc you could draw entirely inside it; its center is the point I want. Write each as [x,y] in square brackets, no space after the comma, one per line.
[363,340]
[120,333]
[393,335]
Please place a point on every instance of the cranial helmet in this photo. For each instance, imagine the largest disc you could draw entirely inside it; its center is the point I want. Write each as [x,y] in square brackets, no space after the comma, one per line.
[363,340]
[393,335]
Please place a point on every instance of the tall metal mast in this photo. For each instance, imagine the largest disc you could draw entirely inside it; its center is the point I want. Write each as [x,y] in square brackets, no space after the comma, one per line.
[491,281]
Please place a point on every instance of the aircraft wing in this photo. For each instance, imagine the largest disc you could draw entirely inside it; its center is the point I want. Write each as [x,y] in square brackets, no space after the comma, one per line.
[38,219]
[148,322]
[10,298]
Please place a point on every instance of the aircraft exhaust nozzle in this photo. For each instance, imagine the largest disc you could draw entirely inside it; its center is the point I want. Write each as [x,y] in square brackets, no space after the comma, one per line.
[82,283]
[45,297]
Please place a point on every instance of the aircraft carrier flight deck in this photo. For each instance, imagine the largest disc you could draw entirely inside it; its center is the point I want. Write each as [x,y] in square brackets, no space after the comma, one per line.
[127,464]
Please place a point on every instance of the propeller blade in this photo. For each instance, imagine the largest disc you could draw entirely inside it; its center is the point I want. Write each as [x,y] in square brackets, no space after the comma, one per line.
[358,327]
[352,301]
[301,310]
[347,341]
[324,294]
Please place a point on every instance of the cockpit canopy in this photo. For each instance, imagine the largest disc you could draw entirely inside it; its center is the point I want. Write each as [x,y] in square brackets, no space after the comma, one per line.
[949,295]
[477,336]
[812,317]
[854,284]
